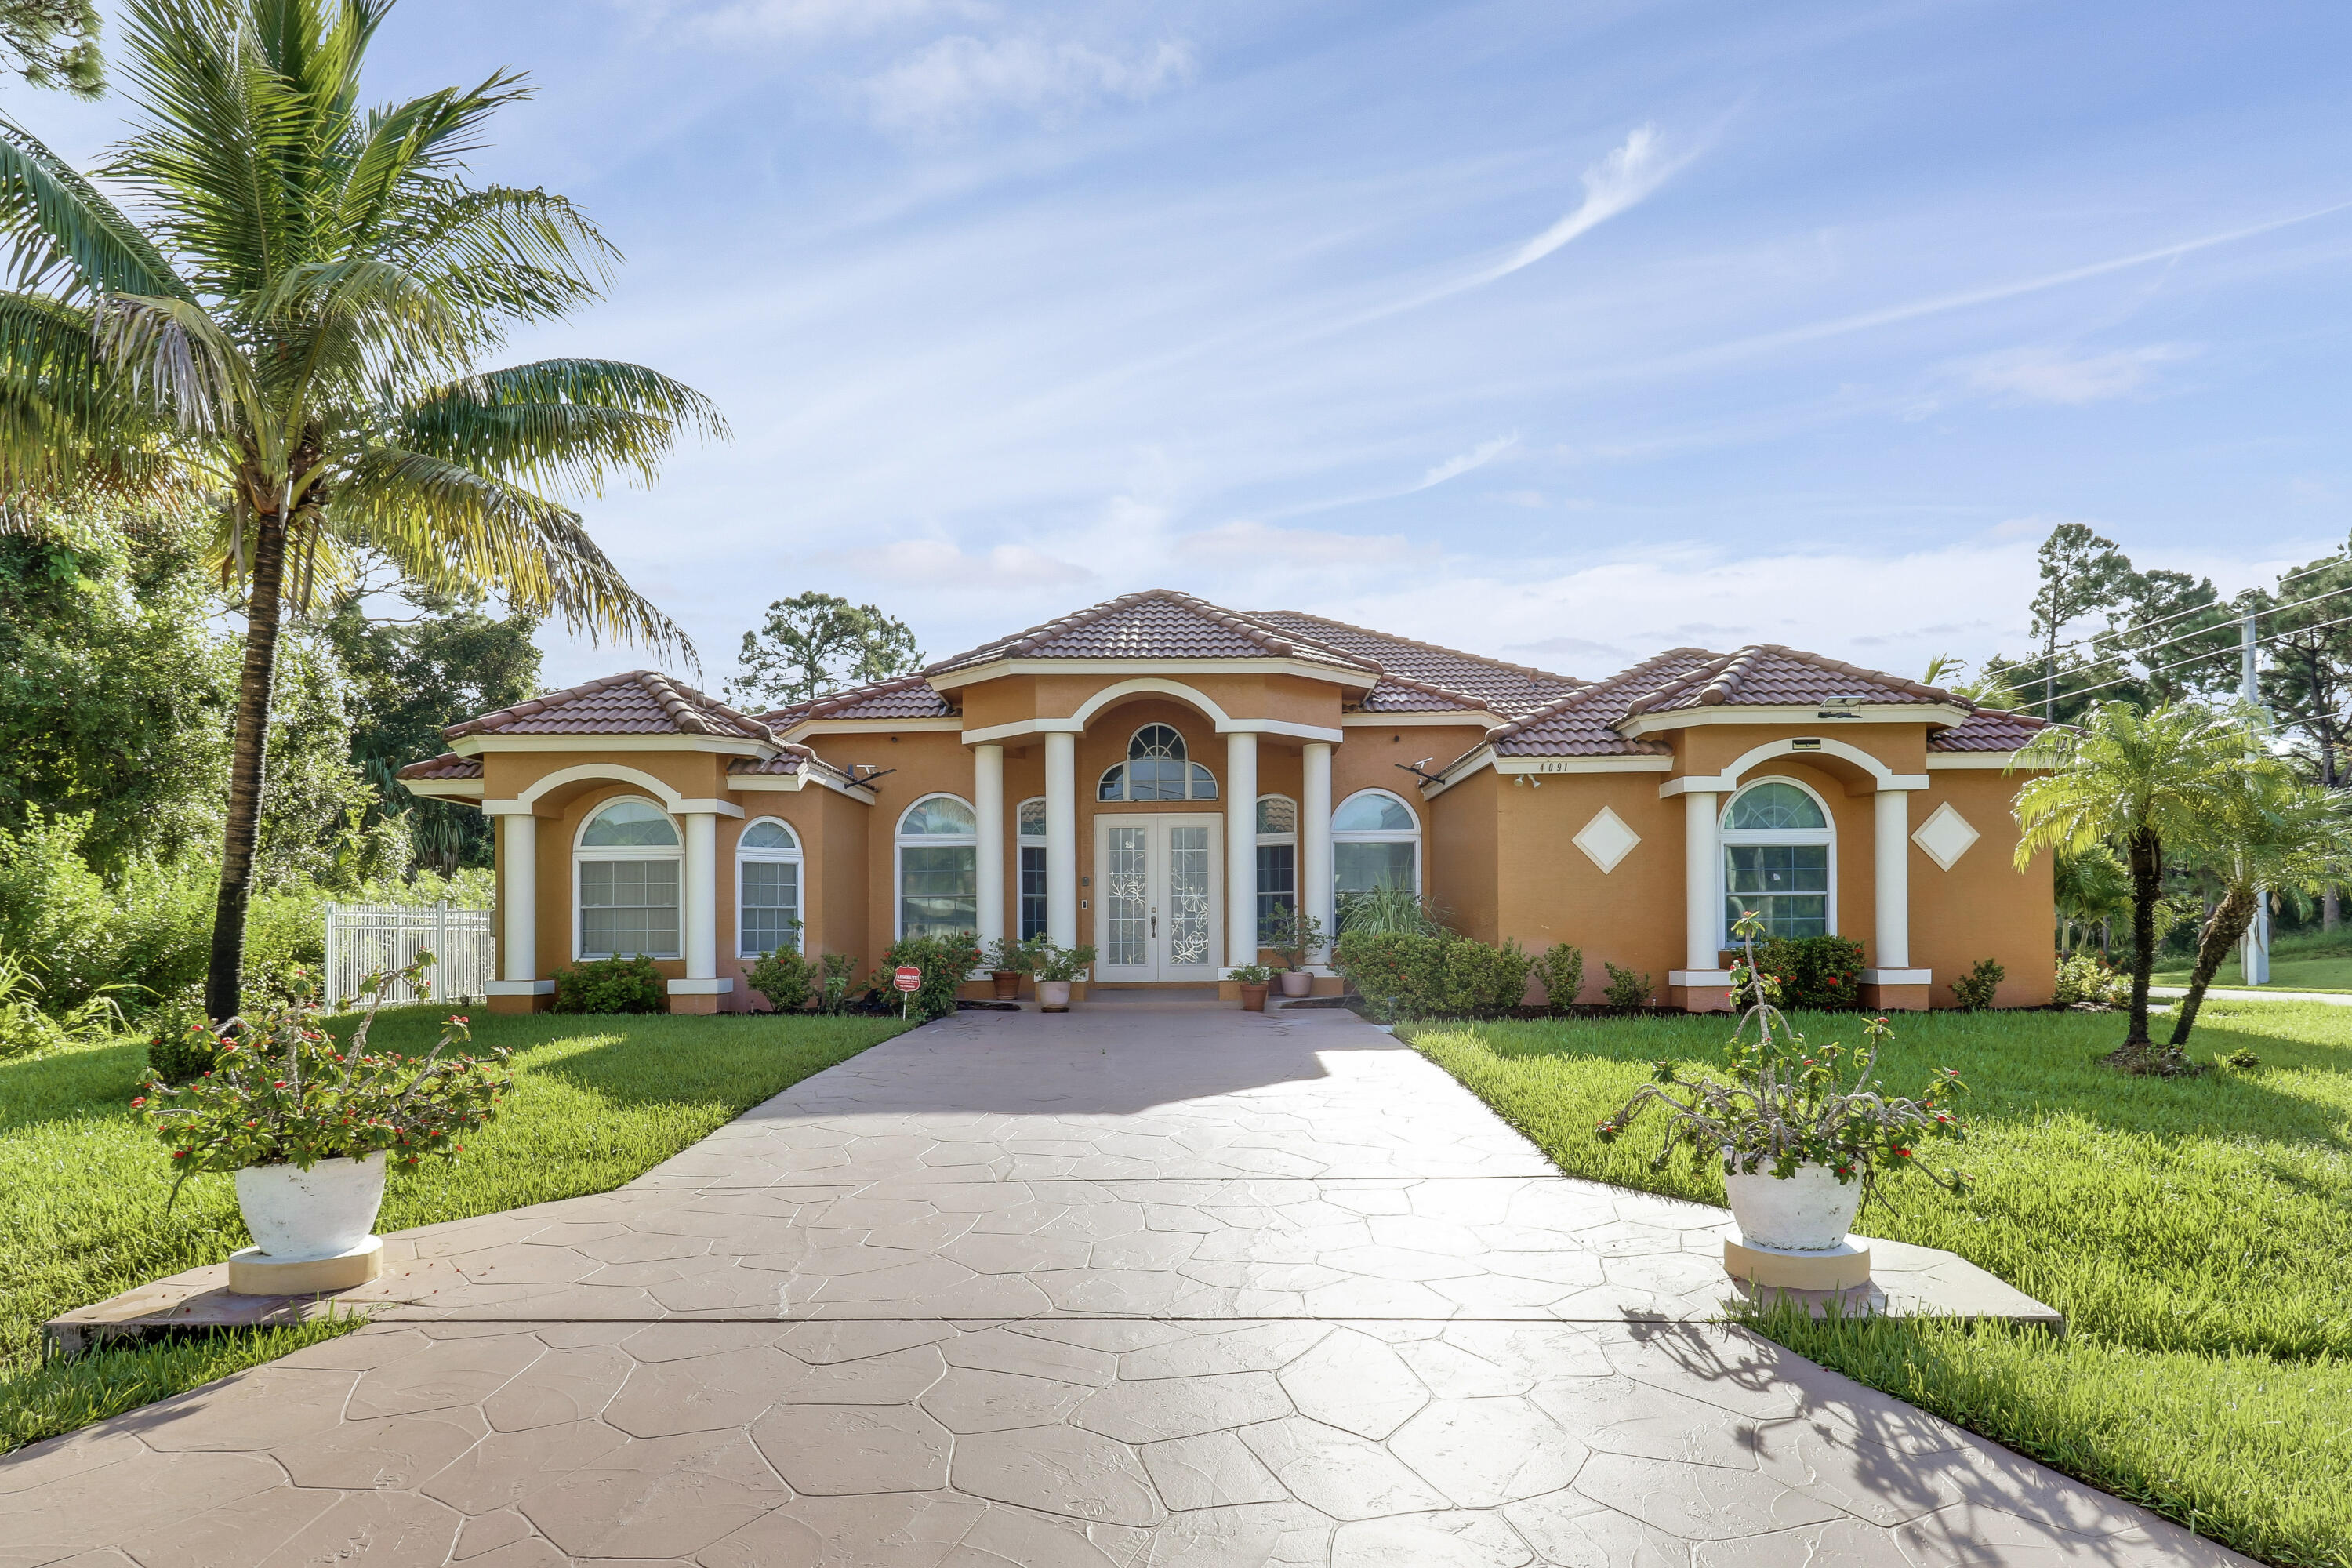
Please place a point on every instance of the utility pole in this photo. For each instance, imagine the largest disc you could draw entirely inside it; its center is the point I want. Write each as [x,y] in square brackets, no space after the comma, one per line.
[2255,948]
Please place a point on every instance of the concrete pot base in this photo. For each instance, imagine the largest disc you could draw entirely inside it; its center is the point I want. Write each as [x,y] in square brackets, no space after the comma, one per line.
[254,1272]
[1845,1266]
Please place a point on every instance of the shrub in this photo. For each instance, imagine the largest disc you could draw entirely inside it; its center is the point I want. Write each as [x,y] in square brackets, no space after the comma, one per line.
[1975,989]
[1822,972]
[180,1045]
[784,977]
[2086,978]
[1411,975]
[945,960]
[1063,963]
[25,1028]
[610,985]
[1389,912]
[285,1091]
[840,979]
[1252,974]
[1561,971]
[1627,987]
[1008,956]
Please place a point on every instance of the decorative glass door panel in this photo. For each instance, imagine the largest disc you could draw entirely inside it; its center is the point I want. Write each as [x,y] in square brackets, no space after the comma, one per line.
[1159,886]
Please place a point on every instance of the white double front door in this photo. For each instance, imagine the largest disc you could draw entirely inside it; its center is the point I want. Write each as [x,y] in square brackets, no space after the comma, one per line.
[1158,895]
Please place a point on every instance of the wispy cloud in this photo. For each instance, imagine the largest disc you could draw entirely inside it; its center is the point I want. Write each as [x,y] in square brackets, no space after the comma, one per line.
[934,563]
[959,81]
[1618,182]
[2053,375]
[1461,463]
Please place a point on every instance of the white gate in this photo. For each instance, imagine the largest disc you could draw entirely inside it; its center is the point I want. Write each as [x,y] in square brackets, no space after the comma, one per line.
[367,938]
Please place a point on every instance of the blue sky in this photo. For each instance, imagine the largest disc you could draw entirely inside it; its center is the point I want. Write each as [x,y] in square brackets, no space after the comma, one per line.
[1560,332]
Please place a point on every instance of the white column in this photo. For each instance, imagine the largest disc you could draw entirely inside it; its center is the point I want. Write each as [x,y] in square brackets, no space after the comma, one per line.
[698,895]
[1062,838]
[988,802]
[1702,912]
[519,895]
[1892,946]
[1315,892]
[1241,846]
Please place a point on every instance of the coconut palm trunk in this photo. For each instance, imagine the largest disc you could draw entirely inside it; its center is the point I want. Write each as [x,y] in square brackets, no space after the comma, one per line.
[248,757]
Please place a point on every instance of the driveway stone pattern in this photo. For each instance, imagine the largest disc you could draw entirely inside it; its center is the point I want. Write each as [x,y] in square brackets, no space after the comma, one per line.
[1136,1286]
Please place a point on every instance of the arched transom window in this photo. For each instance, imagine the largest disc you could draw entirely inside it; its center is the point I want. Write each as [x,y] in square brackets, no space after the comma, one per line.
[767,888]
[1776,846]
[1375,843]
[939,867]
[1156,769]
[624,874]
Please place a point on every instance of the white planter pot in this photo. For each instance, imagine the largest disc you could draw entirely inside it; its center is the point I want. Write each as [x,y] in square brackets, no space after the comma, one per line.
[322,1212]
[1809,1211]
[1053,995]
[1297,982]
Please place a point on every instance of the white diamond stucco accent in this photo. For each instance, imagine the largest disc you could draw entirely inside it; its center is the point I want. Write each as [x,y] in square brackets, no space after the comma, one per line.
[1945,836]
[1606,841]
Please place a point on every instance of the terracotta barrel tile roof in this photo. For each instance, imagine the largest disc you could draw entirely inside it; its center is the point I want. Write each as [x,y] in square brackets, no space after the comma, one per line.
[1584,723]
[1988,730]
[1156,624]
[783,762]
[901,696]
[641,702]
[1767,674]
[1474,681]
[448,766]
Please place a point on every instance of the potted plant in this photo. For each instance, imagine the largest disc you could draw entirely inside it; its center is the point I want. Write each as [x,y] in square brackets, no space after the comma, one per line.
[1255,979]
[1055,968]
[1293,934]
[309,1123]
[1803,1134]
[1008,961]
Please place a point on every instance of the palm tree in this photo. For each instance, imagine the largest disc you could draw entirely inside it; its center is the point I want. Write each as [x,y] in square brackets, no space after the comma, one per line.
[2090,890]
[2148,779]
[2273,830]
[292,327]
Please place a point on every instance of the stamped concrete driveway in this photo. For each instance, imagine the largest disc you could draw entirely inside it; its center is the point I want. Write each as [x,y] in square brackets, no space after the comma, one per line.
[1144,1284]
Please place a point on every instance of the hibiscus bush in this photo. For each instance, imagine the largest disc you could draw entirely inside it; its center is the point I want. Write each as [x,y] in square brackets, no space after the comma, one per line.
[1821,973]
[282,1090]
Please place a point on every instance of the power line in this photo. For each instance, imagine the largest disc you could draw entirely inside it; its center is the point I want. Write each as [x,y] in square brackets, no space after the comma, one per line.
[2184,663]
[2314,571]
[2216,608]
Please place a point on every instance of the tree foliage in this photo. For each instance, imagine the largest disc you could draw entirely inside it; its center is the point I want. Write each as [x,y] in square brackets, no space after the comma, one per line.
[53,43]
[813,644]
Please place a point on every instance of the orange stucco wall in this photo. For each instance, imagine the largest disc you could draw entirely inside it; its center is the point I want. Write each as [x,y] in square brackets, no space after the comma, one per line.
[1497,855]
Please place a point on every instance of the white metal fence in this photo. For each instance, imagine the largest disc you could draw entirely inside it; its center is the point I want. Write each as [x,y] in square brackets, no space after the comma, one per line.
[366,939]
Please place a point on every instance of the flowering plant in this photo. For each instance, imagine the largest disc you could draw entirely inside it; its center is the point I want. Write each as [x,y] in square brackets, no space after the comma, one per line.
[1788,1104]
[281,1090]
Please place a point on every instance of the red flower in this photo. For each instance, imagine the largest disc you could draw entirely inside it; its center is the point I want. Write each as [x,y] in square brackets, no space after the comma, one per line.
[138,1102]
[1903,1153]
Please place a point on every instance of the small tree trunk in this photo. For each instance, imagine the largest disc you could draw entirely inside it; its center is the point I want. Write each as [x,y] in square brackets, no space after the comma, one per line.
[2331,908]
[223,978]
[2147,858]
[2230,921]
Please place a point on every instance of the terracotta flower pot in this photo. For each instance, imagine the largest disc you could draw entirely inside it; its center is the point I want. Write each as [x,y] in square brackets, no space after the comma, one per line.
[1008,984]
[1297,982]
[1809,1211]
[1254,999]
[1053,995]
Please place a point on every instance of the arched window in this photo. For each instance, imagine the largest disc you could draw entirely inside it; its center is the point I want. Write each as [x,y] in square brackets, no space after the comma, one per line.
[1031,839]
[624,878]
[1777,859]
[1375,843]
[767,888]
[1277,857]
[1156,769]
[939,867]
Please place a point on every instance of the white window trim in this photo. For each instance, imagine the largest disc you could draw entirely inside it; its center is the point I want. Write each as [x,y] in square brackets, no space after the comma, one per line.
[1023,841]
[792,857]
[676,851]
[1384,836]
[1291,838]
[1189,761]
[901,840]
[1725,837]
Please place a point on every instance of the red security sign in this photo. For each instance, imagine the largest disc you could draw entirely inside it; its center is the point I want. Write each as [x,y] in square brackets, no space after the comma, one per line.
[909,978]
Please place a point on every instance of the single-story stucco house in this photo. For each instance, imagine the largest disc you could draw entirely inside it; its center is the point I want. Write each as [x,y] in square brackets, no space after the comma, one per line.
[1154,773]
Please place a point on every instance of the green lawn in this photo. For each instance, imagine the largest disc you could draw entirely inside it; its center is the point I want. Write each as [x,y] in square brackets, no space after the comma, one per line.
[2197,1233]
[598,1101]
[2330,974]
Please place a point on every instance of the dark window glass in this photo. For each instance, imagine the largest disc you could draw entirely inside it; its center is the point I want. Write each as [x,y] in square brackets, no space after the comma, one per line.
[1033,890]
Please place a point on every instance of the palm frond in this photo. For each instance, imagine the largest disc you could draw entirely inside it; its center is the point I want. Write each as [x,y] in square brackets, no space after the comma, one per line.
[178,358]
[564,424]
[449,526]
[64,235]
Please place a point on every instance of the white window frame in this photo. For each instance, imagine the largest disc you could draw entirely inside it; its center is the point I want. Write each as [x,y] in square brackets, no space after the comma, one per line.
[793,858]
[1022,843]
[580,851]
[1726,836]
[1384,835]
[1277,840]
[901,841]
[1216,790]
